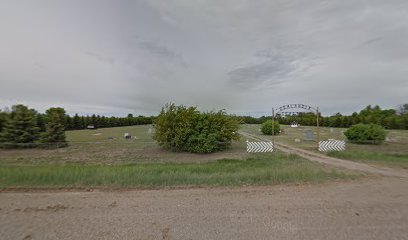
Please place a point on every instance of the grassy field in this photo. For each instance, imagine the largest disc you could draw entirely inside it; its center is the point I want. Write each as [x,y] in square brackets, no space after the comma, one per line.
[108,146]
[383,158]
[104,158]
[392,153]
[274,168]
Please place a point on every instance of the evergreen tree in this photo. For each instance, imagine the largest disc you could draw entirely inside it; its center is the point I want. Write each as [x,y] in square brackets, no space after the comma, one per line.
[87,121]
[93,120]
[102,122]
[98,121]
[83,122]
[20,129]
[40,122]
[68,123]
[76,122]
[55,135]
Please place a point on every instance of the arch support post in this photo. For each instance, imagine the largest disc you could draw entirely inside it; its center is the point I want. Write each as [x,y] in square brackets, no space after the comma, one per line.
[273,127]
[317,127]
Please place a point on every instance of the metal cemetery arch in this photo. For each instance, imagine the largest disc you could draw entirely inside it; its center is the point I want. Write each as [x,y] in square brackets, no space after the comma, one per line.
[295,106]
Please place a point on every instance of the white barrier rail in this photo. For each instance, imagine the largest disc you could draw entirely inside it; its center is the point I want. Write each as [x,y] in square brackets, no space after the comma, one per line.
[333,145]
[256,147]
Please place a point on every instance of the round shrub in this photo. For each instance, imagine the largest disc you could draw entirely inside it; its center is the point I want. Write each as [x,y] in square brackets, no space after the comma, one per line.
[366,134]
[185,129]
[266,127]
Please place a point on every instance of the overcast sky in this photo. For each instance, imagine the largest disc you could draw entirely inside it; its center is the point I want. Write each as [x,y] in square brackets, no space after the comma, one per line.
[246,56]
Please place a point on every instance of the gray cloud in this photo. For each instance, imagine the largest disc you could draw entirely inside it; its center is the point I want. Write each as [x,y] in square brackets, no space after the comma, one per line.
[368,42]
[159,50]
[115,57]
[278,65]
[106,59]
[257,76]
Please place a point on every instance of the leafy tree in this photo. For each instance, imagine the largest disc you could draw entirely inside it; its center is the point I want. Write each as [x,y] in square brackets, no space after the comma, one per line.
[20,128]
[404,121]
[212,132]
[181,128]
[403,109]
[366,133]
[174,126]
[266,127]
[3,119]
[54,135]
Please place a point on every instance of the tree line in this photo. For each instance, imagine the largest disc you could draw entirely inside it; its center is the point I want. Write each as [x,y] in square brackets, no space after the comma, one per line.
[22,126]
[19,128]
[387,118]
[77,122]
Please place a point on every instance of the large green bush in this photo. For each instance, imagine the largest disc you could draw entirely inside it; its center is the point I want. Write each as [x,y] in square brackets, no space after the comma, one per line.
[185,129]
[366,134]
[266,127]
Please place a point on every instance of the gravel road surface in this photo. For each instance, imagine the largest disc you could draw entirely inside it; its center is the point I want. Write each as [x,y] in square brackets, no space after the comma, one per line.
[372,208]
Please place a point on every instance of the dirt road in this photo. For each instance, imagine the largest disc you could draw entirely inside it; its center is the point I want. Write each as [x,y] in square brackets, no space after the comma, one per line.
[321,158]
[368,209]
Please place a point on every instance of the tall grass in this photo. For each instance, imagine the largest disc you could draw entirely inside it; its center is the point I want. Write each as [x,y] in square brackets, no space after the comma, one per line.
[261,169]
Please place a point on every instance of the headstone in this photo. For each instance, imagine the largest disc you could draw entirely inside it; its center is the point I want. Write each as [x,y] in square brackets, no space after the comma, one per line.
[308,135]
[127,136]
[149,131]
[331,130]
[294,125]
[297,140]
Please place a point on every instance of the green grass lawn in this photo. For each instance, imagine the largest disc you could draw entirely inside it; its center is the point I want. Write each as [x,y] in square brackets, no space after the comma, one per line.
[392,153]
[108,146]
[260,169]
